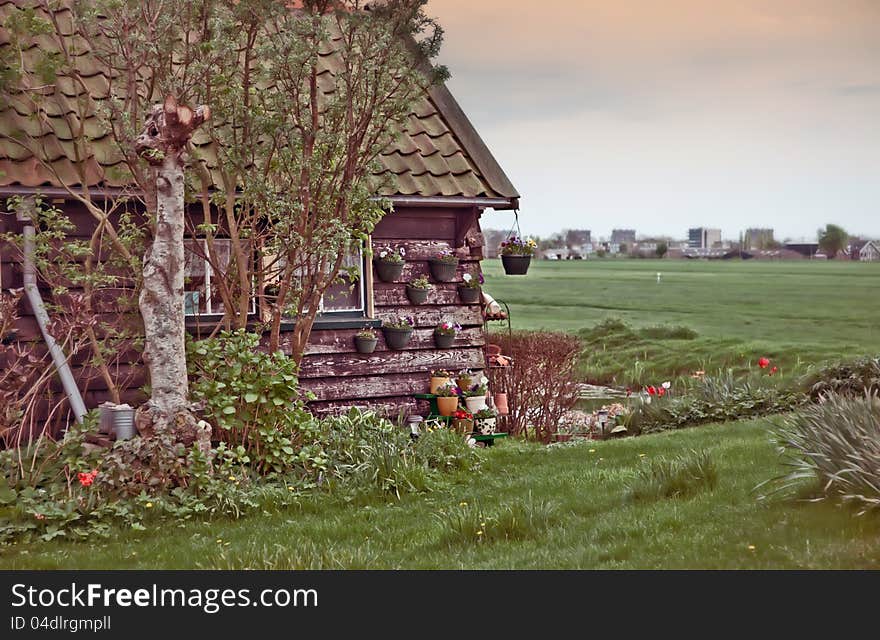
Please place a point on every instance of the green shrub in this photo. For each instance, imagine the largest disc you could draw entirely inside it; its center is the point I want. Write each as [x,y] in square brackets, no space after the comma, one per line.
[254,401]
[674,478]
[720,398]
[854,378]
[669,333]
[835,443]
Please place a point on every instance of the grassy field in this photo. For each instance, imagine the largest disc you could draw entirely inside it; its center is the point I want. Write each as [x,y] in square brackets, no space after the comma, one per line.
[557,507]
[798,313]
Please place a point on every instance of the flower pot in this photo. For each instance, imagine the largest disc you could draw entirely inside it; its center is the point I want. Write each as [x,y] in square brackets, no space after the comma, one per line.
[447,406]
[475,403]
[417,296]
[436,383]
[500,402]
[464,382]
[397,339]
[516,265]
[463,426]
[388,271]
[470,295]
[365,345]
[444,340]
[487,426]
[443,271]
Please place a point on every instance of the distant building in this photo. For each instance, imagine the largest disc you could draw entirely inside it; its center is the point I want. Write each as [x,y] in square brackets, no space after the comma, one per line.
[623,236]
[855,248]
[870,252]
[703,238]
[759,239]
[807,249]
[578,238]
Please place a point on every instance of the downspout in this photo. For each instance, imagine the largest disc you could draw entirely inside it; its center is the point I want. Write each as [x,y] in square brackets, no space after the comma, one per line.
[36,300]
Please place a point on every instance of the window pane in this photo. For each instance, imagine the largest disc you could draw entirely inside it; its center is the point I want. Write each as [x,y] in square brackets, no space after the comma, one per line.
[347,295]
[195,294]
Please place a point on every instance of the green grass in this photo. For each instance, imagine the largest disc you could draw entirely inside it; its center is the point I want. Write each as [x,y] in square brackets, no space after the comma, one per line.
[716,315]
[557,507]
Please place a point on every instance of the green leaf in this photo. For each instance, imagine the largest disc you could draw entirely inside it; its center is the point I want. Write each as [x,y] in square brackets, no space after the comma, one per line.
[228,411]
[279,401]
[251,397]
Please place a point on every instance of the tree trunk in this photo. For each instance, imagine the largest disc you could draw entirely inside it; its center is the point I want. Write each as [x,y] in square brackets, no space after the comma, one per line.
[167,130]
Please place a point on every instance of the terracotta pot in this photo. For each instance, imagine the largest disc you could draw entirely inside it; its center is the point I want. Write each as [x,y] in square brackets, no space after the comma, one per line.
[443,340]
[516,265]
[447,406]
[443,271]
[475,403]
[464,382]
[388,271]
[397,339]
[365,345]
[417,296]
[436,383]
[470,295]
[500,402]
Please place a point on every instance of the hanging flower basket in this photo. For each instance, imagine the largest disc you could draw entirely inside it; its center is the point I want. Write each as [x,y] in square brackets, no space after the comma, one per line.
[398,331]
[388,271]
[444,340]
[469,295]
[516,265]
[366,342]
[444,266]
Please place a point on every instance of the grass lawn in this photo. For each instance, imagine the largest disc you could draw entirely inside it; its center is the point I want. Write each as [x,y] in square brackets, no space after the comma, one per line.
[557,507]
[798,313]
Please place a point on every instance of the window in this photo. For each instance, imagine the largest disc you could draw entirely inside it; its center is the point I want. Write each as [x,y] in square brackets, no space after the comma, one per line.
[348,295]
[201,292]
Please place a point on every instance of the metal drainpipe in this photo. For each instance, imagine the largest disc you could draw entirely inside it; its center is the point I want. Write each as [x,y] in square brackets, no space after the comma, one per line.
[36,300]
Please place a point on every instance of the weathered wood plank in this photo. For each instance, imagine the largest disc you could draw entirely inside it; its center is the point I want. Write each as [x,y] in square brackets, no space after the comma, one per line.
[420,250]
[413,270]
[391,408]
[394,295]
[418,227]
[367,388]
[390,362]
[430,317]
[342,341]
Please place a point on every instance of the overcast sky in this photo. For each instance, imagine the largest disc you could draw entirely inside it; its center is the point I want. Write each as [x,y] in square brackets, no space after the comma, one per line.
[665,114]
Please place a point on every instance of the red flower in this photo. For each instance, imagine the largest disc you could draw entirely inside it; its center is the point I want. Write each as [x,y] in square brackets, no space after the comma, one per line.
[774,370]
[764,363]
[86,479]
[651,391]
[661,392]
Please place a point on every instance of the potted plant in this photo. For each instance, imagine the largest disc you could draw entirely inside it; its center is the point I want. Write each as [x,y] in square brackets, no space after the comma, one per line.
[445,333]
[463,422]
[398,330]
[486,421]
[475,396]
[417,290]
[366,341]
[447,399]
[464,379]
[443,266]
[516,255]
[438,379]
[469,290]
[389,264]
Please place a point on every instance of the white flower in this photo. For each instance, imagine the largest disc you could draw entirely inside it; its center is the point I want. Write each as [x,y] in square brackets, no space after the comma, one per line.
[402,252]
[467,277]
[666,385]
[484,380]
[384,254]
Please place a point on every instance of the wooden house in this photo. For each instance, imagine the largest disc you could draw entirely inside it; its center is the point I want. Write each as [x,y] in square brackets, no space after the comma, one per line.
[444,177]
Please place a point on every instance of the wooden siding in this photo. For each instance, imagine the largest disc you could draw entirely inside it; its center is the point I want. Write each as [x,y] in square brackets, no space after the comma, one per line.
[332,369]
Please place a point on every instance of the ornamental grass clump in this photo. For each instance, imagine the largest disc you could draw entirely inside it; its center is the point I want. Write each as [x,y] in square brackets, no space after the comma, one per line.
[836,445]
[674,478]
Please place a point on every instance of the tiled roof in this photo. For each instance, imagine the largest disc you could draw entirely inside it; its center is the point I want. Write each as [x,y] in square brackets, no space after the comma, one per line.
[438,154]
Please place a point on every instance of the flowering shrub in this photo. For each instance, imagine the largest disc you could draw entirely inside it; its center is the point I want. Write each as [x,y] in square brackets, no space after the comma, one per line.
[447,328]
[446,256]
[399,322]
[394,256]
[421,282]
[470,282]
[516,246]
